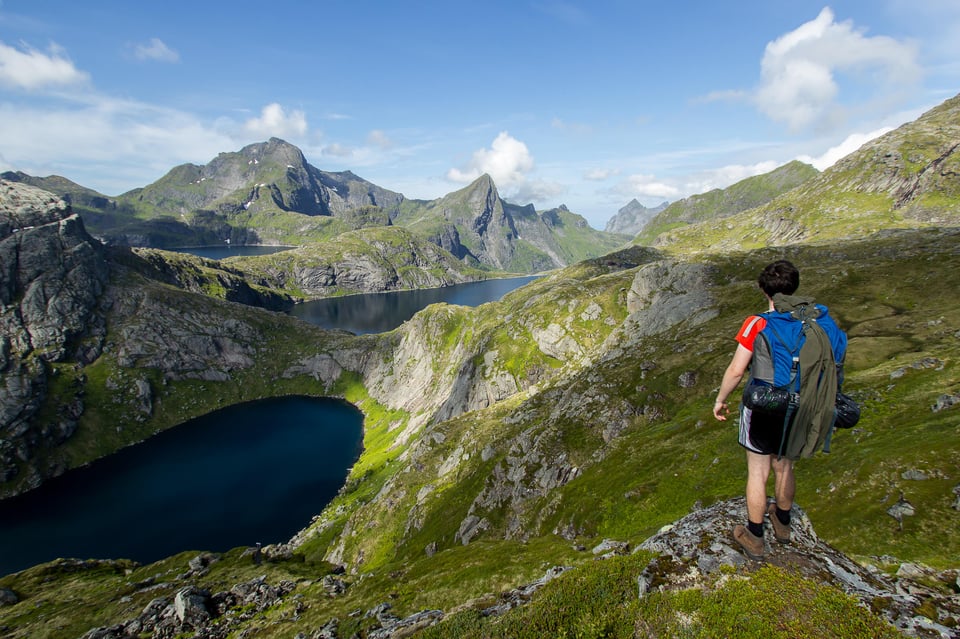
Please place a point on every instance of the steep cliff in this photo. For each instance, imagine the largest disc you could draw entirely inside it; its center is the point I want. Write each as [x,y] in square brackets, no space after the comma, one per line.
[52,275]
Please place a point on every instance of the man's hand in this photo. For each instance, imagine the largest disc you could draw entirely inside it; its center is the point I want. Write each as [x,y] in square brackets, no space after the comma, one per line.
[721,410]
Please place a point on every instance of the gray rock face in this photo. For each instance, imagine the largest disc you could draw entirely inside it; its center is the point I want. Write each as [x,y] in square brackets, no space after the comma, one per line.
[52,274]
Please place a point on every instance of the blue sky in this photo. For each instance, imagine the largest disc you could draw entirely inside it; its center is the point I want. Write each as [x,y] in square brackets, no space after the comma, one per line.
[588,104]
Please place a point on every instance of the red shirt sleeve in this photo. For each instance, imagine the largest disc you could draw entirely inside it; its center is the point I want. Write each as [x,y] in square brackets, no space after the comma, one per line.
[748,332]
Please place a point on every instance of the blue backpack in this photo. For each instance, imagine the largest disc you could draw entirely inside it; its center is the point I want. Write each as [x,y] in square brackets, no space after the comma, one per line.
[797,368]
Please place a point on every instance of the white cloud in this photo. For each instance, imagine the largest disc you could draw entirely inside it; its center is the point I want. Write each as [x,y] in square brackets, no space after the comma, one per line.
[845,148]
[799,71]
[507,161]
[157,50]
[30,69]
[274,121]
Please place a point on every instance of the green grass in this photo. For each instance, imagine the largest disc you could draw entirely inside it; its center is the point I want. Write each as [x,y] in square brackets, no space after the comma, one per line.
[600,601]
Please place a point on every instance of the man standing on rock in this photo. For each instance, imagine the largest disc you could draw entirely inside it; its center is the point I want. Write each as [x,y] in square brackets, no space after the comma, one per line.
[768,434]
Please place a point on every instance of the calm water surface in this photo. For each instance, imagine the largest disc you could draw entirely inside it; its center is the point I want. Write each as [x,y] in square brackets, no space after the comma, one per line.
[379,312]
[251,472]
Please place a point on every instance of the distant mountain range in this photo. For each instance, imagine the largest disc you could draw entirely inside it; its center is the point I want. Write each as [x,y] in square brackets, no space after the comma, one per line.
[267,193]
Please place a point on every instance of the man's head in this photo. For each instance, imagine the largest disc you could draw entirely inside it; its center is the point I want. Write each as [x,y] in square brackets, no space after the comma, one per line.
[779,277]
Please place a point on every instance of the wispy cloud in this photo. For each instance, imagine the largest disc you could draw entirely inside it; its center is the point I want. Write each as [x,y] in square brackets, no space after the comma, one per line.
[379,139]
[32,70]
[157,50]
[572,127]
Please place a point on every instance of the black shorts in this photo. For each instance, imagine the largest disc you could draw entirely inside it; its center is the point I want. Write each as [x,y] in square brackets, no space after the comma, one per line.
[762,431]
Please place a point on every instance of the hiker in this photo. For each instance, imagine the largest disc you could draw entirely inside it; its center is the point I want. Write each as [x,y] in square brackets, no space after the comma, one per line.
[776,433]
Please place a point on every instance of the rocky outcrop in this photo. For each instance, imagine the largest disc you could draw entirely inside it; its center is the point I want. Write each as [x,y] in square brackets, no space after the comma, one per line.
[695,548]
[664,294]
[52,274]
[196,611]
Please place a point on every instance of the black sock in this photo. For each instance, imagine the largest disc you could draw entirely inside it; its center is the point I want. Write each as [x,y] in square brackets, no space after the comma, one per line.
[755,529]
[783,516]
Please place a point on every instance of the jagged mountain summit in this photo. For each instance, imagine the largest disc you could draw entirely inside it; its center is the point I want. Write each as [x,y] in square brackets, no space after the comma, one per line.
[632,217]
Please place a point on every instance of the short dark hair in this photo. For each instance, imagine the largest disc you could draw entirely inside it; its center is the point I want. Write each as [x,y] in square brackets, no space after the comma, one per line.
[779,277]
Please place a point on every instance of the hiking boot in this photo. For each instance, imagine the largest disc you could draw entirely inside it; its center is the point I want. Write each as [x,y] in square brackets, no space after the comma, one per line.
[751,544]
[781,532]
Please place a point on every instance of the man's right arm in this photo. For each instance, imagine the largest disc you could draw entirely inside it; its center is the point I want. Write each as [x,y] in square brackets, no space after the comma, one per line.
[731,378]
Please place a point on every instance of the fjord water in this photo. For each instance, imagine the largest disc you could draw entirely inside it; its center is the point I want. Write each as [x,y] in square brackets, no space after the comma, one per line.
[253,472]
[380,312]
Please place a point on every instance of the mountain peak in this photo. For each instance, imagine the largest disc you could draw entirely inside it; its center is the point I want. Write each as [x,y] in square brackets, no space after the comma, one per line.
[275,149]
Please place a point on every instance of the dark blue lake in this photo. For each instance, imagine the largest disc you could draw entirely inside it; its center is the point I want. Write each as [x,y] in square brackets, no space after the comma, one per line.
[254,472]
[380,312]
